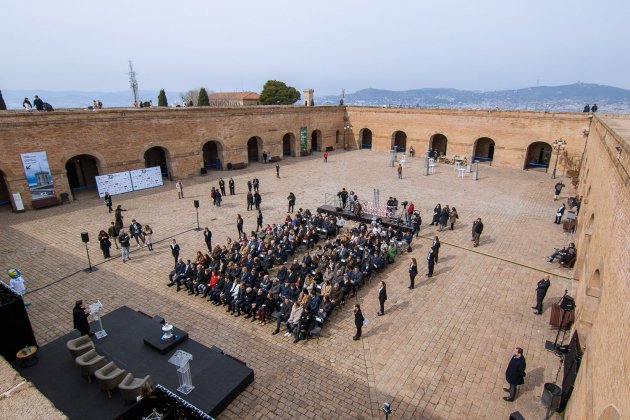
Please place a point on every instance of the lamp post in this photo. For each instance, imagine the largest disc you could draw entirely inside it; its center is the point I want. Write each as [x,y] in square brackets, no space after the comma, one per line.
[346,128]
[557,145]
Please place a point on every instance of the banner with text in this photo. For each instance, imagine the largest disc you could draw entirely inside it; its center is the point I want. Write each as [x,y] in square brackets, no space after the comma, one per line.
[114,184]
[38,176]
[303,139]
[146,178]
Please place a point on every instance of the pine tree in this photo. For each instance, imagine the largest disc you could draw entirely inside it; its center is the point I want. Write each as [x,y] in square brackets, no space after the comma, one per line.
[203,99]
[162,98]
[3,106]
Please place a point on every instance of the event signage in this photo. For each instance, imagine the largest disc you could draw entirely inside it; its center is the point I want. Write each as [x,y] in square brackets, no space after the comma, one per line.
[38,176]
[146,178]
[303,139]
[116,183]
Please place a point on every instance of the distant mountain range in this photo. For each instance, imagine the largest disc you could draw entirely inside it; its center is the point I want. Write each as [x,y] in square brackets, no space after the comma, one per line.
[541,98]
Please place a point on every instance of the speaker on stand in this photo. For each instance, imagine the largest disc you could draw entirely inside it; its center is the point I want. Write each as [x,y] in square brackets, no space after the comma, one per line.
[85,238]
[196,204]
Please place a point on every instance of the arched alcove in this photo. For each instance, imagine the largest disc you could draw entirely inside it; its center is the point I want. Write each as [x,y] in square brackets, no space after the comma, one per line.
[288,144]
[399,141]
[610,413]
[81,171]
[438,142]
[337,137]
[316,140]
[212,155]
[5,198]
[483,149]
[254,149]
[157,156]
[365,138]
[538,155]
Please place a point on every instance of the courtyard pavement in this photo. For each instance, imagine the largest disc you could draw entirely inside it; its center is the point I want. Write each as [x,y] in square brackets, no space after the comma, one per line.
[440,351]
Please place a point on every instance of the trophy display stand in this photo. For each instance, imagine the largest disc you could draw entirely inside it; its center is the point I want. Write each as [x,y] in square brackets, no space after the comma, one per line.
[94,310]
[181,360]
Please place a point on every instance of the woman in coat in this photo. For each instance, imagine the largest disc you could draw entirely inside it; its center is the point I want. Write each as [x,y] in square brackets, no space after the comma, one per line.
[103,239]
[382,297]
[148,236]
[108,201]
[358,321]
[453,217]
[436,215]
[413,272]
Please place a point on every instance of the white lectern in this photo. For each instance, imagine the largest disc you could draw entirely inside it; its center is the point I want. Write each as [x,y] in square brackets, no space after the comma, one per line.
[94,310]
[180,359]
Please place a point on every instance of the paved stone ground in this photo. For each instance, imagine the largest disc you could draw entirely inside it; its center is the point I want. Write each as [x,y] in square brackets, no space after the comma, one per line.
[441,350]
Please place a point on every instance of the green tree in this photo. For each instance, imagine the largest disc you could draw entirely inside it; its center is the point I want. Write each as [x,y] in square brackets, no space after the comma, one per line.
[277,93]
[3,106]
[162,98]
[203,99]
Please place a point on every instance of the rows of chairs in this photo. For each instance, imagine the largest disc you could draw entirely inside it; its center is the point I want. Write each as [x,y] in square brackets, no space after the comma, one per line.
[108,375]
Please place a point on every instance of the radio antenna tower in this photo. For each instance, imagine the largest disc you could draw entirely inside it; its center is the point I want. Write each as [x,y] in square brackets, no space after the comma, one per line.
[133,83]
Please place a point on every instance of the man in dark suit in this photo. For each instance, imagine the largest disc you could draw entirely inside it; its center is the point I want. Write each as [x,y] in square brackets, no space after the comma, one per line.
[250,201]
[231,183]
[515,373]
[207,237]
[175,250]
[382,297]
[222,186]
[541,292]
[257,200]
[559,214]
[80,318]
[283,315]
[431,262]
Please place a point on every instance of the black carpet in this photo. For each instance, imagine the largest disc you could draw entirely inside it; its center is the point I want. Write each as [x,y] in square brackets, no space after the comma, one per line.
[217,378]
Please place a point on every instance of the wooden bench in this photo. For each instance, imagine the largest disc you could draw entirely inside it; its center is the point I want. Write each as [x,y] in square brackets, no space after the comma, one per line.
[240,165]
[45,202]
[275,159]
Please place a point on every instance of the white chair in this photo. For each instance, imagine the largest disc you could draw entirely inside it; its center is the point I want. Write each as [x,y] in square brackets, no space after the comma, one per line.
[458,165]
[462,172]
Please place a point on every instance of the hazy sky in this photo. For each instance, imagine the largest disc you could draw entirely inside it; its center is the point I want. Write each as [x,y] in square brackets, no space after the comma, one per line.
[323,44]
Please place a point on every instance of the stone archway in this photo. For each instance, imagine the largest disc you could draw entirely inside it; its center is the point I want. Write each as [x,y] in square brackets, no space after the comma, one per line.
[316,140]
[288,144]
[483,150]
[157,156]
[365,138]
[81,172]
[538,156]
[212,155]
[254,149]
[5,195]
[438,143]
[399,141]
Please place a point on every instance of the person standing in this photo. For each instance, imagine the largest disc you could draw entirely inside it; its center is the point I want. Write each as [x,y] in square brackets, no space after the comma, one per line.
[105,244]
[400,171]
[124,245]
[119,217]
[265,157]
[250,201]
[239,225]
[256,184]
[136,232]
[436,248]
[108,201]
[291,199]
[443,219]
[175,250]
[113,233]
[436,215]
[257,200]
[213,195]
[358,321]
[477,230]
[249,185]
[231,183]
[222,186]
[541,292]
[413,272]
[80,318]
[559,214]
[277,170]
[148,236]
[415,222]
[259,221]
[452,217]
[558,189]
[409,214]
[217,197]
[431,262]
[382,297]
[325,156]
[515,373]
[180,189]
[207,237]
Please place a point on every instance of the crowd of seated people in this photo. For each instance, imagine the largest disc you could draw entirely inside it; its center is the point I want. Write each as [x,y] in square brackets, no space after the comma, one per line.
[254,278]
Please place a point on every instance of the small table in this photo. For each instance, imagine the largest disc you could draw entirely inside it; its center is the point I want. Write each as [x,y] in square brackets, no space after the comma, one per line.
[462,172]
[26,354]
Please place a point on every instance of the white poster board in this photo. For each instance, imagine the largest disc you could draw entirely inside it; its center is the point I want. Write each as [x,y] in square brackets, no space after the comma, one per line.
[146,178]
[116,183]
[19,204]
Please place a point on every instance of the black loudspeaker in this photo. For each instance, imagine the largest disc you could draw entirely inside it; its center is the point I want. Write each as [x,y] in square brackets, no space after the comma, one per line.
[196,203]
[568,303]
[85,237]
[516,416]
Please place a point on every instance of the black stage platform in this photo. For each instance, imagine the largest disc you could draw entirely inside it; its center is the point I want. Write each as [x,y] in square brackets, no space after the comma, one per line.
[217,378]
[365,217]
